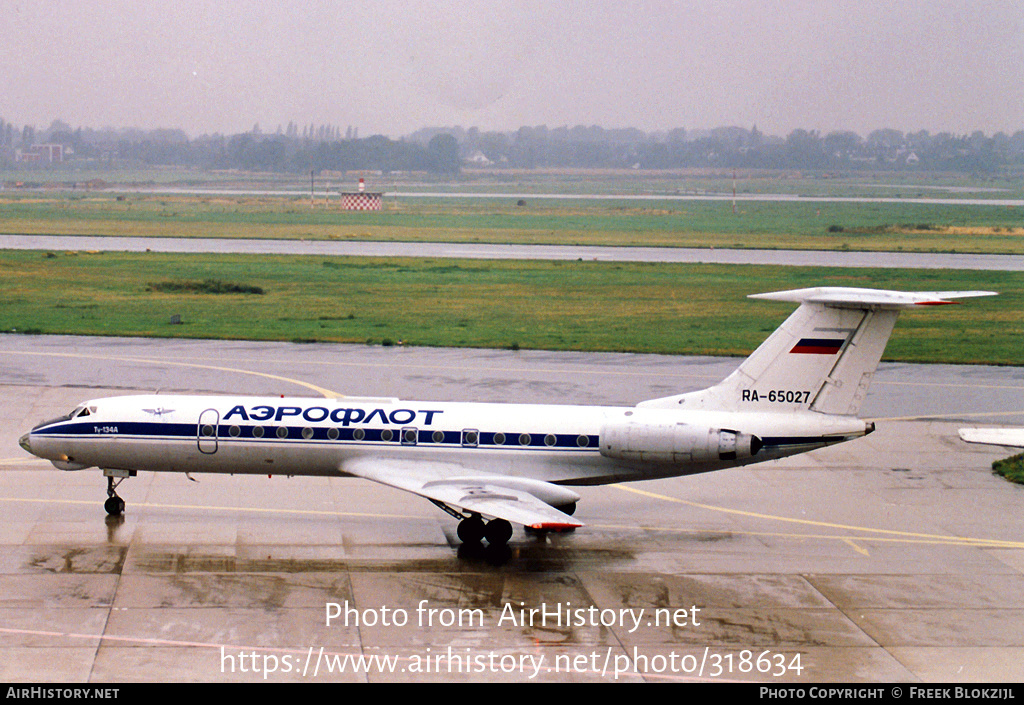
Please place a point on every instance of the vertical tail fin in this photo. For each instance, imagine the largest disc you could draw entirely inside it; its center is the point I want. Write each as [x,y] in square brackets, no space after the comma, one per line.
[822,358]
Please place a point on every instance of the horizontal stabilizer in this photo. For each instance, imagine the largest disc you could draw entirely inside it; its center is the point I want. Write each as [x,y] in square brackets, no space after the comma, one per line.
[848,297]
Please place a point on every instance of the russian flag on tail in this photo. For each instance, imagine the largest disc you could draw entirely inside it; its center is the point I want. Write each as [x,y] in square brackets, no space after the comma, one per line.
[818,346]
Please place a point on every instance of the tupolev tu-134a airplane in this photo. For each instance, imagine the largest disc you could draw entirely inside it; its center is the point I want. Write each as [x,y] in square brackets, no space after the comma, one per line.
[489,465]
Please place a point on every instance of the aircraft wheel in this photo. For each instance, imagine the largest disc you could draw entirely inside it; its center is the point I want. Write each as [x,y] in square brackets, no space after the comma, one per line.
[114,506]
[569,509]
[471,530]
[498,532]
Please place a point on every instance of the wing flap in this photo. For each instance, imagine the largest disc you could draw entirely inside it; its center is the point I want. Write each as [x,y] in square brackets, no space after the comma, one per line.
[515,499]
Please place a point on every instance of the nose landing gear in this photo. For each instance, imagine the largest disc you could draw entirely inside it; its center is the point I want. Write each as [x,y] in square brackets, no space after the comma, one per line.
[114,505]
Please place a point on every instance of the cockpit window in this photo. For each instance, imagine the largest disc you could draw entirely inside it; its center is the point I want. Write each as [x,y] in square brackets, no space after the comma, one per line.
[75,413]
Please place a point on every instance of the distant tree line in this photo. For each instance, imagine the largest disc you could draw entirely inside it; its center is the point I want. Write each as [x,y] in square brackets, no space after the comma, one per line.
[298,149]
[736,147]
[311,149]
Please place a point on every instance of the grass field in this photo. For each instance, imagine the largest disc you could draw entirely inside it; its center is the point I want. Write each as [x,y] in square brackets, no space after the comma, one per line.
[660,308]
[680,309]
[912,227]
[907,227]
[1011,468]
[516,182]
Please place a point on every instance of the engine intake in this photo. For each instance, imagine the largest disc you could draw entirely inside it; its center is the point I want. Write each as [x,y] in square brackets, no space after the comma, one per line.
[675,443]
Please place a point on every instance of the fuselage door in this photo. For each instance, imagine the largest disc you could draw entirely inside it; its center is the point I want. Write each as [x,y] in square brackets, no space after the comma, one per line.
[207,431]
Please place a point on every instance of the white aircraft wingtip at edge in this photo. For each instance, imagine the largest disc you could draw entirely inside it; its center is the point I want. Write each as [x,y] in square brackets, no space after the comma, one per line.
[1010,437]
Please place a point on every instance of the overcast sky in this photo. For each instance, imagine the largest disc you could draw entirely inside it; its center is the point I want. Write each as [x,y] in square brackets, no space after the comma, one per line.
[391,67]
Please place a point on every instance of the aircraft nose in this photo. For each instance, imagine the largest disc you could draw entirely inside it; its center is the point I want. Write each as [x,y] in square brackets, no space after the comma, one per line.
[25,443]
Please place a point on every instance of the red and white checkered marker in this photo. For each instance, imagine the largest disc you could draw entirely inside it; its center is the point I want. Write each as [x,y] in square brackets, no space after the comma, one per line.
[361,201]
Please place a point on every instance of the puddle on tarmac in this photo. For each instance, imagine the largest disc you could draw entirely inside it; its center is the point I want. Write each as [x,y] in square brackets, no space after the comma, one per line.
[78,559]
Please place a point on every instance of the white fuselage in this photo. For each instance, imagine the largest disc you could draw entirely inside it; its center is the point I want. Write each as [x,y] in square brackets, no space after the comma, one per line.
[304,436]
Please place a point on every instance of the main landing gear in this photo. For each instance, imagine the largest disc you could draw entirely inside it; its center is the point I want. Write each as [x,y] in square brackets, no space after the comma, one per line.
[473,529]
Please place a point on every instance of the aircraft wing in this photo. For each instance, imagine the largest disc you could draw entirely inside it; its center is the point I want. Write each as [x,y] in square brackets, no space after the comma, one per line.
[994,436]
[516,499]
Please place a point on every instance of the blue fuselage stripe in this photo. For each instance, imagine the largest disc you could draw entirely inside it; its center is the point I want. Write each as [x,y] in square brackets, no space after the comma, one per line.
[225,433]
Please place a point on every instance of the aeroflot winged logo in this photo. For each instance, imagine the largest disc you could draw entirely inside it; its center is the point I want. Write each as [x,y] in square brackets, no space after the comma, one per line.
[818,346]
[315,414]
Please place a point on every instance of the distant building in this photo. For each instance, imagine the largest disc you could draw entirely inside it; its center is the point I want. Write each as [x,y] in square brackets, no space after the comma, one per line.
[41,154]
[478,158]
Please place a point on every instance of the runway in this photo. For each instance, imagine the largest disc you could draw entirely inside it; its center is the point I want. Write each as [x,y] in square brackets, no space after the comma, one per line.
[897,557]
[331,248]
